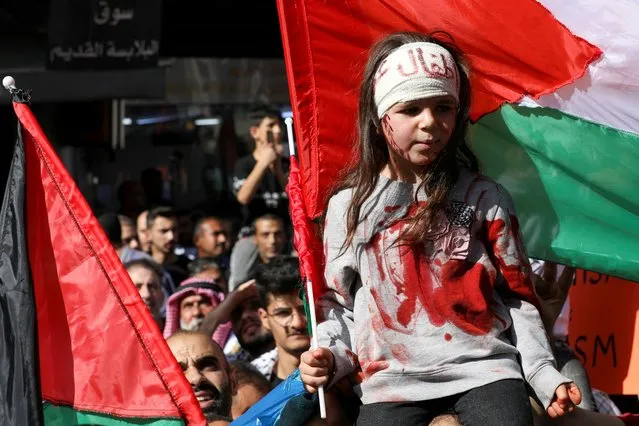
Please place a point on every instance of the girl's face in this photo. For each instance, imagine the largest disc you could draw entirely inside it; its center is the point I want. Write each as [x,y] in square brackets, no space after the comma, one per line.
[417,131]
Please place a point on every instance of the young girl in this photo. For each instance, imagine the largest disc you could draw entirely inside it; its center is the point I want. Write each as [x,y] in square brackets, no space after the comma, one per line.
[429,294]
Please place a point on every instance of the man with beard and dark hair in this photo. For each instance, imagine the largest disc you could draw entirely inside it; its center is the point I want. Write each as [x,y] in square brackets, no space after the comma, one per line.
[210,238]
[253,338]
[162,230]
[269,241]
[241,308]
[208,372]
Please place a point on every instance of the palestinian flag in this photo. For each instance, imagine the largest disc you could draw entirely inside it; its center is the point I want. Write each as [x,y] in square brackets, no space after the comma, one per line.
[101,357]
[555,121]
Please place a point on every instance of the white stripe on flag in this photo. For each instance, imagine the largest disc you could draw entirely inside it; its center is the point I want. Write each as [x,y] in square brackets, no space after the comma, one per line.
[608,93]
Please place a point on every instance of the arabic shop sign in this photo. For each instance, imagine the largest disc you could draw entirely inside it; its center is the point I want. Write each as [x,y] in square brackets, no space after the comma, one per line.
[104,34]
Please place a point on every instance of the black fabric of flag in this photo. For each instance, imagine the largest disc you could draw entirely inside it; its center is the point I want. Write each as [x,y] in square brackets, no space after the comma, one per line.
[20,401]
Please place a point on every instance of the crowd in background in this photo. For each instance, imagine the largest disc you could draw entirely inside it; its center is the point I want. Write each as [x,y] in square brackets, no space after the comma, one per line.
[234,280]
[225,292]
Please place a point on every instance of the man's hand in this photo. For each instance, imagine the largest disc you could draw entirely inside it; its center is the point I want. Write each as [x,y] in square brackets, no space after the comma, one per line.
[267,155]
[552,292]
[222,313]
[244,292]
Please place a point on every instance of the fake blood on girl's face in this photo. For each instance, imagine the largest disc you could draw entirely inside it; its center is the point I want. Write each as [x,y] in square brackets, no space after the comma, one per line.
[417,131]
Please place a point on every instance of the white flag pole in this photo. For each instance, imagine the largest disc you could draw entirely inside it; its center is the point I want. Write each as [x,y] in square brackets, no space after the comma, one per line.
[309,285]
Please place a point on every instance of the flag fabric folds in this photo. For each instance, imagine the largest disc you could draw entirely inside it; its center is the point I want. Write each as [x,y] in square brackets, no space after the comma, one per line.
[101,357]
[326,46]
[305,239]
[574,183]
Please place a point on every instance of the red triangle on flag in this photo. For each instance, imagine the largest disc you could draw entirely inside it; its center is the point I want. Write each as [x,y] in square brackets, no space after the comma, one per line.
[515,48]
[99,348]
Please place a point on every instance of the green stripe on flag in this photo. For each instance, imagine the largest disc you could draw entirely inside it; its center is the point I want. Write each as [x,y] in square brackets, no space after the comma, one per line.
[575,185]
[55,415]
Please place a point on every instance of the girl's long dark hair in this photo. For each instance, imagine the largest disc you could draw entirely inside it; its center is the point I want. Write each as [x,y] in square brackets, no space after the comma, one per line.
[439,177]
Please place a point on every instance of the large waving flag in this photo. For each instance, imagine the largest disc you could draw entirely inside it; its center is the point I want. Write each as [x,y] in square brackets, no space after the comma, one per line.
[552,106]
[101,357]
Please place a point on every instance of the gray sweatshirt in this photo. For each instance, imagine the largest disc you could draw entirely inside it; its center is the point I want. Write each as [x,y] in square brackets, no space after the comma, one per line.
[437,319]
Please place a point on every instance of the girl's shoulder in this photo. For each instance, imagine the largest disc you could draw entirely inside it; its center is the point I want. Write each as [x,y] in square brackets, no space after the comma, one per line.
[340,199]
[385,192]
[343,194]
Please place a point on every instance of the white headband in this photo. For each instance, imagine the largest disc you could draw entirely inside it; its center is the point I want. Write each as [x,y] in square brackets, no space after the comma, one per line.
[415,71]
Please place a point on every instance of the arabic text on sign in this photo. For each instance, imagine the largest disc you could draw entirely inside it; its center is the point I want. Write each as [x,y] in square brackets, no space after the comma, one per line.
[108,16]
[92,50]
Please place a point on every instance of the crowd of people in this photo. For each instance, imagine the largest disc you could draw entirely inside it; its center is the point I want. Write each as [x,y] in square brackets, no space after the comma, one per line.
[227,296]
[225,293]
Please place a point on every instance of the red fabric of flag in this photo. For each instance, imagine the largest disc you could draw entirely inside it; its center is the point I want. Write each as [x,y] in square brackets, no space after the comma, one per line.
[515,48]
[304,238]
